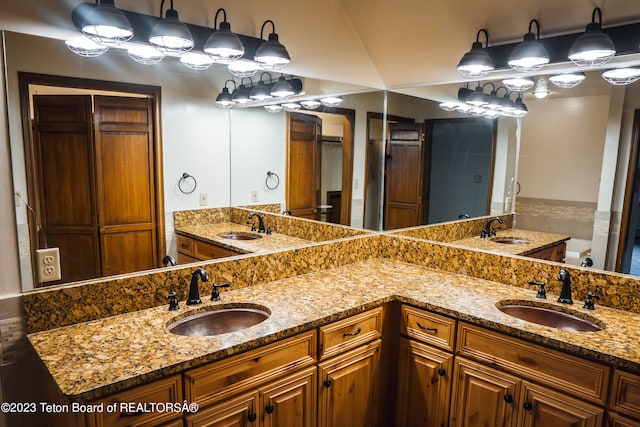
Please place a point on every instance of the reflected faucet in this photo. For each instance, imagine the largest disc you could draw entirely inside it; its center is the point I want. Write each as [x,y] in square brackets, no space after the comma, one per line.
[489,231]
[261,228]
[194,292]
[169,260]
[565,293]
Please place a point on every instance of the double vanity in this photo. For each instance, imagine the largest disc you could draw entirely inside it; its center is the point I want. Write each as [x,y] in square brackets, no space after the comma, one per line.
[318,335]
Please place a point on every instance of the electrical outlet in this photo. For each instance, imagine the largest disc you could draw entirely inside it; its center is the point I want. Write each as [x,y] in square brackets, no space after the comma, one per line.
[507,204]
[254,196]
[204,199]
[48,261]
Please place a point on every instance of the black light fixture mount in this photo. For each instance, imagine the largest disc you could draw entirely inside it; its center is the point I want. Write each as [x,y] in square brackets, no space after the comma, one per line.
[530,55]
[593,48]
[223,45]
[271,55]
[106,25]
[170,36]
[477,62]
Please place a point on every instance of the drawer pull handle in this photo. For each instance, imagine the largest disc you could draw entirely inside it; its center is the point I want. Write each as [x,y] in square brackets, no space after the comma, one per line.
[508,398]
[327,383]
[352,334]
[252,416]
[269,409]
[131,414]
[527,406]
[426,328]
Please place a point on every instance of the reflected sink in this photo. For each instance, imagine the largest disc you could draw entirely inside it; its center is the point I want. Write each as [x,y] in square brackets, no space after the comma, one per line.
[219,320]
[239,235]
[510,240]
[549,315]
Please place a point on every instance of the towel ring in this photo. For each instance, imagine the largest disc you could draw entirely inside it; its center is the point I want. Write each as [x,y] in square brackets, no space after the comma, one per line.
[270,175]
[184,180]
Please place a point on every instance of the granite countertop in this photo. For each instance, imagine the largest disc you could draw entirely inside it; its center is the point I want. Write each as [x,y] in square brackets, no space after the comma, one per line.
[210,234]
[93,359]
[535,240]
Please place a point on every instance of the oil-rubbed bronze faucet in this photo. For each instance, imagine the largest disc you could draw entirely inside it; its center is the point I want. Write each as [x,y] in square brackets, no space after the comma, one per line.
[565,293]
[194,292]
[488,231]
[261,228]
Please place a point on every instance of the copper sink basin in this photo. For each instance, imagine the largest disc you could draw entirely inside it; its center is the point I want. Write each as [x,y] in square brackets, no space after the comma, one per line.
[217,321]
[549,315]
[510,240]
[239,235]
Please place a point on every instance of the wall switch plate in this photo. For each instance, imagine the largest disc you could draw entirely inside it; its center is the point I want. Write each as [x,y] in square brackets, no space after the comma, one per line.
[204,199]
[254,196]
[48,263]
[18,197]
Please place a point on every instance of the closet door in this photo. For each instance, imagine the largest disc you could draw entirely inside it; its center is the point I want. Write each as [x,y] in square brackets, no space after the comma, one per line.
[125,183]
[65,200]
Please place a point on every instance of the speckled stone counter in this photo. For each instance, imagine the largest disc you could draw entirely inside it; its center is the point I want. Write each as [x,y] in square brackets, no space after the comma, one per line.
[210,233]
[89,360]
[532,241]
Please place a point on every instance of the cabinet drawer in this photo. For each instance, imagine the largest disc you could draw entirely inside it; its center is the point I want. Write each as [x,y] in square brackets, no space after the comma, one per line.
[349,333]
[168,390]
[205,251]
[577,376]
[238,373]
[428,327]
[185,245]
[625,393]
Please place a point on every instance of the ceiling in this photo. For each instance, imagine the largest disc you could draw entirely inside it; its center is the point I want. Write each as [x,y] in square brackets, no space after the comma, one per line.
[375,43]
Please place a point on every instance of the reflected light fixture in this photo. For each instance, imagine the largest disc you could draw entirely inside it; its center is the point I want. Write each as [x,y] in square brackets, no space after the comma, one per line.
[593,48]
[145,54]
[241,95]
[530,55]
[310,104]
[476,62]
[273,108]
[169,35]
[85,47]
[107,25]
[622,76]
[282,88]
[271,54]
[291,106]
[567,80]
[518,84]
[196,60]
[243,68]
[261,92]
[223,46]
[331,101]
[519,109]
[541,91]
[477,97]
[224,98]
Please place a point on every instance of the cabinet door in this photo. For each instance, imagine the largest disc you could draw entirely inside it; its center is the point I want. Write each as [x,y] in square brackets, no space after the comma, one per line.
[543,407]
[483,396]
[424,385]
[290,402]
[348,392]
[237,412]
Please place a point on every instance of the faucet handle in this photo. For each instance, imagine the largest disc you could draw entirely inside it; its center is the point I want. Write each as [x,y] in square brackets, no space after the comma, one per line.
[252,224]
[588,303]
[173,301]
[215,292]
[542,293]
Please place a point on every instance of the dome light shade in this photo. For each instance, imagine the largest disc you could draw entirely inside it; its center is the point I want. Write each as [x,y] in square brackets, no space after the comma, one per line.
[622,76]
[223,45]
[273,108]
[106,25]
[331,101]
[196,60]
[477,97]
[243,68]
[567,80]
[282,88]
[530,55]
[145,54]
[593,48]
[311,104]
[291,106]
[260,92]
[85,47]
[476,62]
[224,98]
[271,54]
[519,84]
[170,36]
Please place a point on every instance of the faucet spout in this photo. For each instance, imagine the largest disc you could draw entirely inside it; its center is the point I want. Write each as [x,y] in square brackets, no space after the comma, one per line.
[565,293]
[489,231]
[261,228]
[194,292]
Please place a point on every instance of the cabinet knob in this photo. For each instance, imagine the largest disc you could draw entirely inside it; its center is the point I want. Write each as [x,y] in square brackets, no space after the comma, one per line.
[442,372]
[327,383]
[527,406]
[252,417]
[508,398]
[269,409]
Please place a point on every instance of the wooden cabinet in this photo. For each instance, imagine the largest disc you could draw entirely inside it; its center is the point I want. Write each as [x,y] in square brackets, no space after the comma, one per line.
[193,250]
[624,399]
[556,253]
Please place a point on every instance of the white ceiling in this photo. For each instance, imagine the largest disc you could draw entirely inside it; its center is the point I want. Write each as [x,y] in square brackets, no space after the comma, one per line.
[374,43]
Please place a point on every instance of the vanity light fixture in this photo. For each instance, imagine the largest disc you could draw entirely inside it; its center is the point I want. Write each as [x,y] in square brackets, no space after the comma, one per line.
[519,84]
[331,101]
[530,55]
[243,68]
[145,54]
[241,95]
[310,104]
[282,88]
[477,98]
[261,92]
[169,35]
[273,108]
[593,48]
[494,107]
[85,47]
[541,91]
[291,106]
[476,62]
[196,60]
[567,80]
[223,46]
[271,54]
[106,25]
[224,98]
[622,76]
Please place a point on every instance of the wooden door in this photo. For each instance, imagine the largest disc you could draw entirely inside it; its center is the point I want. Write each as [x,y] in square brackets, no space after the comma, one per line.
[290,402]
[348,391]
[543,407]
[404,175]
[304,161]
[483,396]
[66,203]
[424,385]
[239,411]
[125,181]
